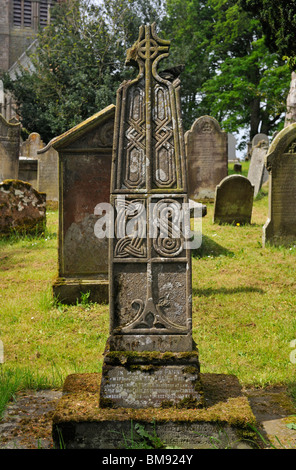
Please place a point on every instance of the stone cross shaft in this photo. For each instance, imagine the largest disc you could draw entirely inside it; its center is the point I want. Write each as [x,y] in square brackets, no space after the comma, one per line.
[150,266]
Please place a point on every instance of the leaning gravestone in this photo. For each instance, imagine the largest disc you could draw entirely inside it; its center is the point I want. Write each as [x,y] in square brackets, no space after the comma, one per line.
[85,153]
[22,208]
[234,201]
[9,149]
[207,155]
[280,227]
[150,276]
[257,173]
[231,147]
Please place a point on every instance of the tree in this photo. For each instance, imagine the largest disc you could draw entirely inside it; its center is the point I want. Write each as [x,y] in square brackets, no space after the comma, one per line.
[76,70]
[240,82]
[278,20]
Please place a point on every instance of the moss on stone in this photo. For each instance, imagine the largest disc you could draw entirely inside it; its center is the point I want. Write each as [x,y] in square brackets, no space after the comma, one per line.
[224,407]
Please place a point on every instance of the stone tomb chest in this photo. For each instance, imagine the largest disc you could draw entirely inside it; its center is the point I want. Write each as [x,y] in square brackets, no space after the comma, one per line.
[84,182]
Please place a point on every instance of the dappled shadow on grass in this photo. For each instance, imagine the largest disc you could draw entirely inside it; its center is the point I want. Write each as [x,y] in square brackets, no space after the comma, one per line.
[209,291]
[210,248]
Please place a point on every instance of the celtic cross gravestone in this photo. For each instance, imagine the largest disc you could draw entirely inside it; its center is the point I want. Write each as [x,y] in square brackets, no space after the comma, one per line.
[150,358]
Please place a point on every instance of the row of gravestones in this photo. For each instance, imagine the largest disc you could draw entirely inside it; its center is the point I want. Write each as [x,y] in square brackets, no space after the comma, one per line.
[85,152]
[20,160]
[207,149]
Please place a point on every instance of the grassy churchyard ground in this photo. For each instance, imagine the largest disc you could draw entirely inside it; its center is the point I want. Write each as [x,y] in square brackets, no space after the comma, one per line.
[244,306]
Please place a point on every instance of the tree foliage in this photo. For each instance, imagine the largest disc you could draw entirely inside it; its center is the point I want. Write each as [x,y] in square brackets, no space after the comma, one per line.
[240,81]
[278,20]
[79,63]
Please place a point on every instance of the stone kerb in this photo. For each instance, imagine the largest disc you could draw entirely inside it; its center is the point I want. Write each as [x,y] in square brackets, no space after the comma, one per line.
[234,201]
[207,154]
[280,161]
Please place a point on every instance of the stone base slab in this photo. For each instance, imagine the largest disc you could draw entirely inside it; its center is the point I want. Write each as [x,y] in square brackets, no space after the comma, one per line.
[80,423]
[68,291]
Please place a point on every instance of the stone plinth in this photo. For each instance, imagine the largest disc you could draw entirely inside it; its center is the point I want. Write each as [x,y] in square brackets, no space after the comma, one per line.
[234,201]
[80,423]
[84,154]
[280,227]
[150,380]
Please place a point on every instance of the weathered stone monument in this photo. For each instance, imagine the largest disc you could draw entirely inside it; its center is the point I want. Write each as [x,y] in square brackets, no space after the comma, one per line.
[259,138]
[28,170]
[9,149]
[258,174]
[234,201]
[33,150]
[150,272]
[280,227]
[22,208]
[151,367]
[85,153]
[231,147]
[207,155]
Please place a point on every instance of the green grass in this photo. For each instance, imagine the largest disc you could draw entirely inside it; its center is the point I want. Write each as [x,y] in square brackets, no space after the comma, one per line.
[244,302]
[244,307]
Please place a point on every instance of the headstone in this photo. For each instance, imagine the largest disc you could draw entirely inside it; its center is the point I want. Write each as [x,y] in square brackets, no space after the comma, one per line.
[85,153]
[257,173]
[234,201]
[280,227]
[207,155]
[28,169]
[22,208]
[237,167]
[29,148]
[47,162]
[48,173]
[231,147]
[9,149]
[259,138]
[150,358]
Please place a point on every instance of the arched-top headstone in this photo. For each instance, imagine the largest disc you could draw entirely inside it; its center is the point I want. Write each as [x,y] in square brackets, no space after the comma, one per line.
[30,147]
[234,201]
[280,227]
[9,149]
[207,155]
[258,138]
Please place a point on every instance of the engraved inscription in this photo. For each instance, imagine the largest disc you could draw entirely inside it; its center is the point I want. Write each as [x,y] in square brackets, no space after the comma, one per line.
[138,389]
